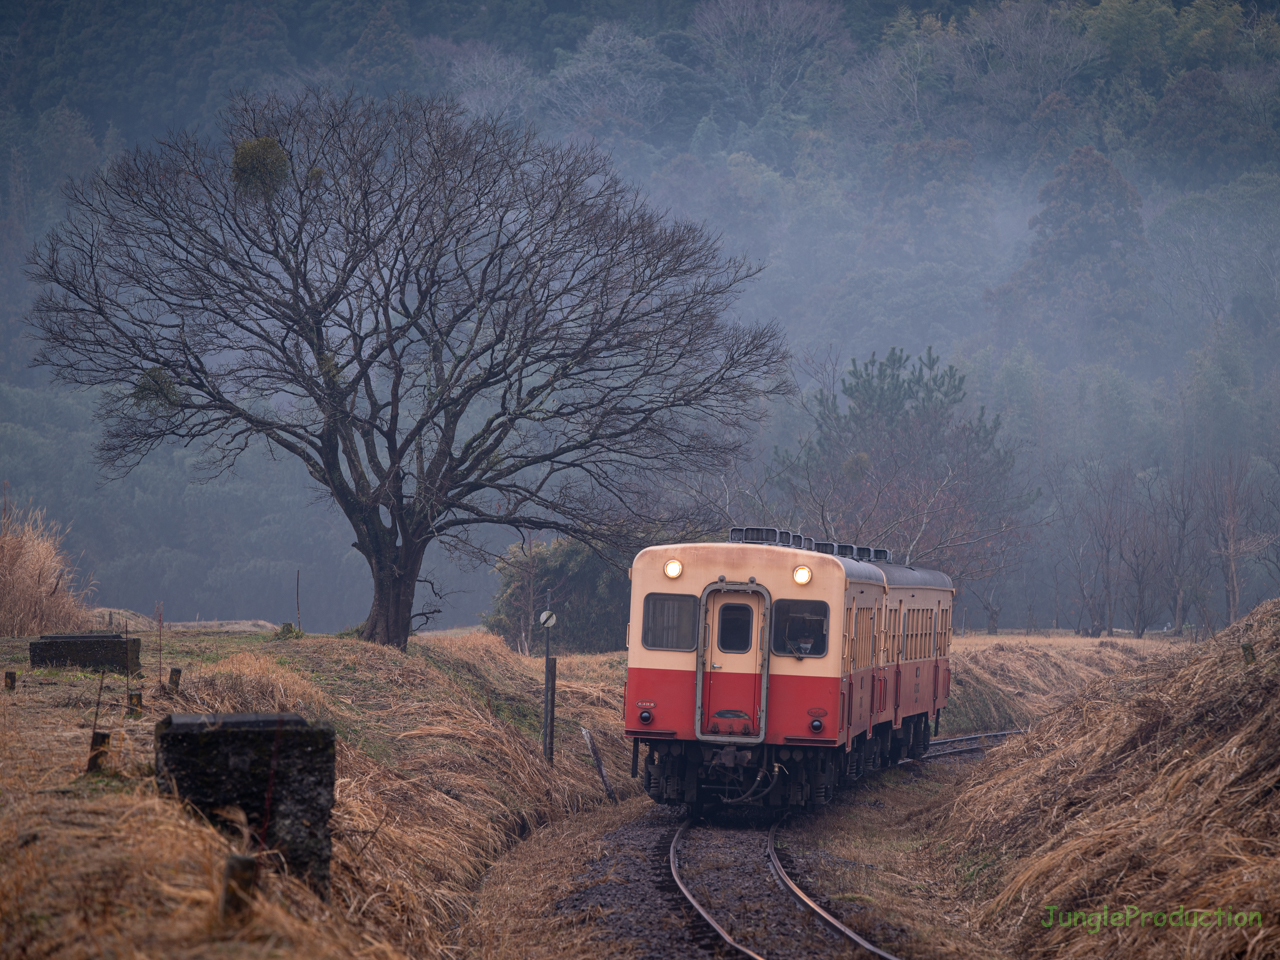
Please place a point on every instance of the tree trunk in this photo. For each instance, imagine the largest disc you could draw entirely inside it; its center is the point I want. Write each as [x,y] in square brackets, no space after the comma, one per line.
[395,581]
[1231,576]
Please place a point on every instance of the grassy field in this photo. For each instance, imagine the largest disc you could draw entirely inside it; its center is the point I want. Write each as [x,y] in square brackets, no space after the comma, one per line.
[452,836]
[439,772]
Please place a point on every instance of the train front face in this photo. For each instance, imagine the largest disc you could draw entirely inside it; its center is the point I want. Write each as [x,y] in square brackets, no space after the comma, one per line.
[733,673]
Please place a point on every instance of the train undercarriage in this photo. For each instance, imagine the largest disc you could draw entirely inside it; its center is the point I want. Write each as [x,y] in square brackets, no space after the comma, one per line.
[774,775]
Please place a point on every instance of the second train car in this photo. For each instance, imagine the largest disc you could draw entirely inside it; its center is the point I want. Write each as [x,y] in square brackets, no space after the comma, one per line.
[765,670]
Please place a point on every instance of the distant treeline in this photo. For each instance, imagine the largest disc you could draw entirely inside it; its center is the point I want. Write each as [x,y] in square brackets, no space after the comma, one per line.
[1075,204]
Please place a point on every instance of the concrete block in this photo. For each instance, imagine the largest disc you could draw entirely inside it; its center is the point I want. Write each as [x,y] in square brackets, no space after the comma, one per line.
[276,767]
[89,651]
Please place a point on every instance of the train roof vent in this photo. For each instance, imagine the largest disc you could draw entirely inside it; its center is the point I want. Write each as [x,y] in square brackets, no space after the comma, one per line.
[735,534]
[797,541]
[808,543]
[883,555]
[784,538]
[846,550]
[759,535]
[863,553]
[825,547]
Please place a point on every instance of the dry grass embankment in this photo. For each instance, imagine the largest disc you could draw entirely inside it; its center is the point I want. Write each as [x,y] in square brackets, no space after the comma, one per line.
[1159,791]
[439,772]
[919,897]
[38,590]
[1003,683]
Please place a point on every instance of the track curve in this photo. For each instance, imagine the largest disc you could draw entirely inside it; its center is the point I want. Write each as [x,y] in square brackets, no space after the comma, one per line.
[806,902]
[706,914]
[809,904]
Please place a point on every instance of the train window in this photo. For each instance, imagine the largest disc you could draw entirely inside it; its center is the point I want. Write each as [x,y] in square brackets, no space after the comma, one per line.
[800,628]
[670,621]
[735,628]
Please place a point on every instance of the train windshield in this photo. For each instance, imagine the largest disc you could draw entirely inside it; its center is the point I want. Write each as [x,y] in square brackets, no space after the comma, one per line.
[800,628]
[670,621]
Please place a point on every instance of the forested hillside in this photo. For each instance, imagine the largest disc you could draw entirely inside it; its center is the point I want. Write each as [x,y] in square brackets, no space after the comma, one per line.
[1077,205]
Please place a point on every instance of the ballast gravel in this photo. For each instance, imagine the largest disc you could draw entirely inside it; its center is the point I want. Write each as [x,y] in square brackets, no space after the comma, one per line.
[723,861]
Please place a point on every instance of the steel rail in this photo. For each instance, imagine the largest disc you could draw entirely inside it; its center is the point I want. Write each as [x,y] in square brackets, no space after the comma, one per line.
[790,885]
[675,875]
[807,902]
[977,736]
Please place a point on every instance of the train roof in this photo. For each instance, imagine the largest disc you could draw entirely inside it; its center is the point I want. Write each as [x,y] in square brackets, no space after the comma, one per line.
[895,574]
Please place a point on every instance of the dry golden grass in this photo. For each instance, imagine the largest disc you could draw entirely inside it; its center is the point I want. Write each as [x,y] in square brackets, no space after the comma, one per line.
[876,857]
[439,772]
[38,592]
[1005,683]
[515,915]
[1157,791]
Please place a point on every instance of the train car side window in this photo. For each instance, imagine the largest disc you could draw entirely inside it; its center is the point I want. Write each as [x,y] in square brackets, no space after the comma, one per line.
[734,635]
[800,628]
[670,621]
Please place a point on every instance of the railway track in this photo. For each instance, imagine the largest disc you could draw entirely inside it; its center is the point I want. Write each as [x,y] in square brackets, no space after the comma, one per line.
[979,741]
[786,882]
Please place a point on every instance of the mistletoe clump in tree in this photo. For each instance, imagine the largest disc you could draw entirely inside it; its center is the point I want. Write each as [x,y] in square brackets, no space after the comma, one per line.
[448,321]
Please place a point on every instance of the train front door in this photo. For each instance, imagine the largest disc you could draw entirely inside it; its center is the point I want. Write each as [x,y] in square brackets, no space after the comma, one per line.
[733,665]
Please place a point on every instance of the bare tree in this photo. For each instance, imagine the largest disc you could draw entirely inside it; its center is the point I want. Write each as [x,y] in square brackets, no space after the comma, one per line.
[1089,498]
[1011,56]
[1232,511]
[1180,529]
[489,82]
[1141,542]
[901,84]
[765,49]
[449,322]
[605,82]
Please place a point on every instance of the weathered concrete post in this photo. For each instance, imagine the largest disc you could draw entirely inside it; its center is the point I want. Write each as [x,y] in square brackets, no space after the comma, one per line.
[276,767]
[175,677]
[11,679]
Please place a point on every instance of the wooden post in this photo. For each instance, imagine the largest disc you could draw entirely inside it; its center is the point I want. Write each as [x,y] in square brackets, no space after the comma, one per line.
[595,756]
[297,598]
[96,745]
[99,744]
[11,679]
[238,881]
[135,705]
[549,712]
[160,640]
[175,677]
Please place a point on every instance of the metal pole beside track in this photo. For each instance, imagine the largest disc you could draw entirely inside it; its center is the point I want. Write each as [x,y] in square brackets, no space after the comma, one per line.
[549,689]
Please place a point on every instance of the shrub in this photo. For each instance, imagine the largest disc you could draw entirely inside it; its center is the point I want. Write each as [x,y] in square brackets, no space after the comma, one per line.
[38,590]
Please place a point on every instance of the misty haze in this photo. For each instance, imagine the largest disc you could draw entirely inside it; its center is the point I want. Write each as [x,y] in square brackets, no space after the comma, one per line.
[343,344]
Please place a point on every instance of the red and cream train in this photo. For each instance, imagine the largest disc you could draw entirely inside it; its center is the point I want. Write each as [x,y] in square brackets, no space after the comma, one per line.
[765,669]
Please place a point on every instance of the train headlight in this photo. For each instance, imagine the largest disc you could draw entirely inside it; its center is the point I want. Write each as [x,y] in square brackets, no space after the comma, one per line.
[816,726]
[673,568]
[802,575]
[646,716]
